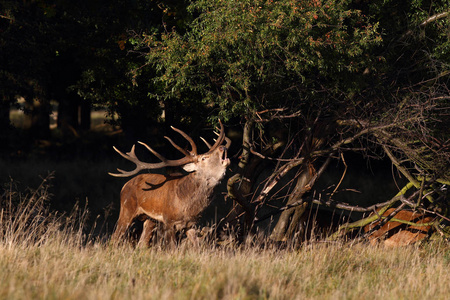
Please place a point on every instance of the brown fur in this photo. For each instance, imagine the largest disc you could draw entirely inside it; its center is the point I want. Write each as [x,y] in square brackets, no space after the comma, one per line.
[174,201]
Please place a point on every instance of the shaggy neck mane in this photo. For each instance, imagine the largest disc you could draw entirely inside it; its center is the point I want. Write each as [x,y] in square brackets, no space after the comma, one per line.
[199,189]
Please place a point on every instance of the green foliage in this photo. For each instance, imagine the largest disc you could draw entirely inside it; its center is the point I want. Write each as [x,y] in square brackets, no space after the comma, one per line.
[244,56]
[328,60]
[414,32]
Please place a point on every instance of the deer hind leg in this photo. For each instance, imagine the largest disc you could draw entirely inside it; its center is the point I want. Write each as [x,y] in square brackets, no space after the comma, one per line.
[123,223]
[147,231]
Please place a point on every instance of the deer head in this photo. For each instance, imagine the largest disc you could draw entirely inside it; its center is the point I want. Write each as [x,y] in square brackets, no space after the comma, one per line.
[173,201]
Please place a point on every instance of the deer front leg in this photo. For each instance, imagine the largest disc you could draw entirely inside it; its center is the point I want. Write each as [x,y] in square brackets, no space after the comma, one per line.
[191,233]
[169,235]
[146,235]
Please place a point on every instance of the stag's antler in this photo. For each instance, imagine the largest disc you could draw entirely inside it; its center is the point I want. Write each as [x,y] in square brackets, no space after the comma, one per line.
[190,156]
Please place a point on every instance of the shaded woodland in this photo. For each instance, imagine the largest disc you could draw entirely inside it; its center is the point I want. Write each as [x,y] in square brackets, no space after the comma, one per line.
[338,111]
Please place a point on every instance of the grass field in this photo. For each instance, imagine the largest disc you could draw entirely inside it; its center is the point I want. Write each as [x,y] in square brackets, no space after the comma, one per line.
[48,256]
[61,269]
[45,255]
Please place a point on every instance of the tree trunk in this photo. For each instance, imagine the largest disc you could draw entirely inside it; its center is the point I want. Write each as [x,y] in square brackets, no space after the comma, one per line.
[288,222]
[37,118]
[238,195]
[68,115]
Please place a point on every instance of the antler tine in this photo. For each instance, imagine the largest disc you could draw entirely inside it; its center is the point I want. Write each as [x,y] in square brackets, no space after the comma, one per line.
[131,156]
[190,156]
[159,156]
[228,141]
[228,144]
[185,152]
[206,142]
[128,155]
[188,138]
[219,139]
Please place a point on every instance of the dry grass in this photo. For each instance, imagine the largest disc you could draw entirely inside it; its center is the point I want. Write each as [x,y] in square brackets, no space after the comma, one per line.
[45,256]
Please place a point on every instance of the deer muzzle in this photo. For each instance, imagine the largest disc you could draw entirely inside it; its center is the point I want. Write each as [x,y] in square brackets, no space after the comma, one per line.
[224,159]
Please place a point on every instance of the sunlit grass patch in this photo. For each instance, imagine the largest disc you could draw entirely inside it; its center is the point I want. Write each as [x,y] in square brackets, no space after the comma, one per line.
[50,256]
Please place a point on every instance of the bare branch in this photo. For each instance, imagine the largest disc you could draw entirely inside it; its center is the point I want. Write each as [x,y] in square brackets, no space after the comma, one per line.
[297,203]
[276,176]
[342,177]
[276,145]
[354,208]
[276,115]
[434,18]
[6,17]
[435,213]
[384,220]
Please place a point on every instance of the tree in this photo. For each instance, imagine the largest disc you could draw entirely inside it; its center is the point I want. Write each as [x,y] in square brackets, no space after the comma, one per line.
[244,57]
[76,54]
[25,52]
[307,79]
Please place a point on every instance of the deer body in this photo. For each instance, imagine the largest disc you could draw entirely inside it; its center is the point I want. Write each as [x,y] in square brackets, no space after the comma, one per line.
[175,201]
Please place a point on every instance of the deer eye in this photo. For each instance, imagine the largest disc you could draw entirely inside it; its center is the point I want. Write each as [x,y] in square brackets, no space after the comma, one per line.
[203,158]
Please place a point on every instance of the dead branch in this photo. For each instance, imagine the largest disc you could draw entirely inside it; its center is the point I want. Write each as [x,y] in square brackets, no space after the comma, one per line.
[357,135]
[384,220]
[299,202]
[435,213]
[254,152]
[434,18]
[276,115]
[354,208]
[342,177]
[276,176]
[6,17]
[374,217]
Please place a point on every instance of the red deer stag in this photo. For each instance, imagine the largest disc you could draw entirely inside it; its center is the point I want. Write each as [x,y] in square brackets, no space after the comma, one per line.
[175,201]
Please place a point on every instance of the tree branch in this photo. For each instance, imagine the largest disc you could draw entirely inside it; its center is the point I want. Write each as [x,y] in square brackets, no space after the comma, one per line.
[276,115]
[299,202]
[434,18]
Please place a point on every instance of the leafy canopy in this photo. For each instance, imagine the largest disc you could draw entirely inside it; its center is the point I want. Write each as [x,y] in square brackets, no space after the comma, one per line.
[244,56]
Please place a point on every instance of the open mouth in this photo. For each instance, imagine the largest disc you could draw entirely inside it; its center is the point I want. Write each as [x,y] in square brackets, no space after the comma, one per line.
[224,158]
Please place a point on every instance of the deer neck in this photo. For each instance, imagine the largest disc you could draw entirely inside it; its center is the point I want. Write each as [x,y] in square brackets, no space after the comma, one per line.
[197,184]
[199,190]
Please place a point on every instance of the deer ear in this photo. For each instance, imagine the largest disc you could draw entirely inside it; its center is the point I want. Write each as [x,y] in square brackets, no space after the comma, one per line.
[190,167]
